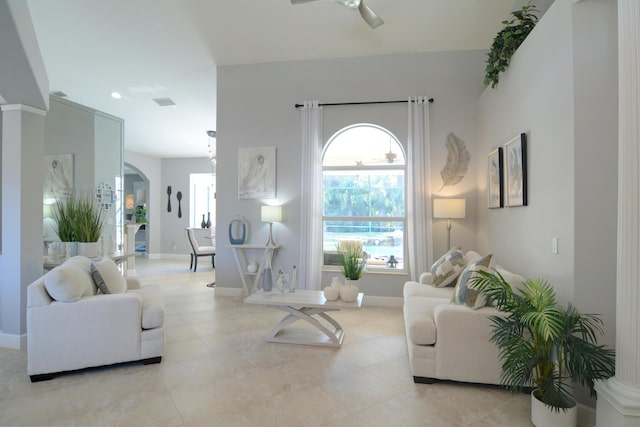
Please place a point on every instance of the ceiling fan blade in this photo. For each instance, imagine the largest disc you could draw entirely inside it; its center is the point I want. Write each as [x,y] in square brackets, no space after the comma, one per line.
[370,16]
[301,1]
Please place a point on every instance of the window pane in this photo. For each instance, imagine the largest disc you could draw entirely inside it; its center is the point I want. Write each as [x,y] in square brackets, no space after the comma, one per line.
[381,239]
[363,145]
[374,193]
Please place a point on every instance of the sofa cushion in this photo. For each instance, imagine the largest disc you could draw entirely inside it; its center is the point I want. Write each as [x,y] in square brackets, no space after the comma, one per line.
[98,280]
[68,283]
[418,317]
[464,294]
[446,269]
[113,279]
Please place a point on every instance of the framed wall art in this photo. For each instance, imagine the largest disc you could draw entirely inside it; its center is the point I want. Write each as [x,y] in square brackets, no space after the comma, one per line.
[515,164]
[257,172]
[494,179]
[58,179]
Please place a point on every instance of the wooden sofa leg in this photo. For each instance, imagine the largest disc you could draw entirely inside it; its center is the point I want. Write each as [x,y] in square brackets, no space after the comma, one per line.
[42,377]
[152,360]
[423,380]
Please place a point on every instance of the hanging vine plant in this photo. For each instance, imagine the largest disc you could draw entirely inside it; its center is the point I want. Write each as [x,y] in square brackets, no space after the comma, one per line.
[507,42]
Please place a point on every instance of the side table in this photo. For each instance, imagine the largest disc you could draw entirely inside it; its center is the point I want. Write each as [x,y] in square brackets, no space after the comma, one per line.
[242,253]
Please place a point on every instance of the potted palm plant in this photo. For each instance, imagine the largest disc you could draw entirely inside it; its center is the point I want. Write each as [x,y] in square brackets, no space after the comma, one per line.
[353,262]
[545,345]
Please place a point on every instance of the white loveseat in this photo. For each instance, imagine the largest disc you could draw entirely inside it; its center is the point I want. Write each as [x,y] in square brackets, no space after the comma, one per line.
[71,325]
[448,341]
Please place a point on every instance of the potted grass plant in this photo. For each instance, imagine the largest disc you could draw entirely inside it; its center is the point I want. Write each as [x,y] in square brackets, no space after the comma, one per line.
[545,345]
[79,222]
[353,262]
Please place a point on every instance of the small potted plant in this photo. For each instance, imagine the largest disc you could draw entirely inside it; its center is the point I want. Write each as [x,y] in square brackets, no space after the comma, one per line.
[140,213]
[545,345]
[353,262]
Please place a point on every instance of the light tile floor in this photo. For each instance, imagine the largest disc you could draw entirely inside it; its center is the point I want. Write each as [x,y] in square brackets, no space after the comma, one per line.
[219,371]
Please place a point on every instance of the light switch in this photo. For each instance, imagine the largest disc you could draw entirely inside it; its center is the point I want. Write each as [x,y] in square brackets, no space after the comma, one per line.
[554,245]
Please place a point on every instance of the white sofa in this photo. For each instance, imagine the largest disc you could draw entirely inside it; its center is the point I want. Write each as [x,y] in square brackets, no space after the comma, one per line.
[71,326]
[447,341]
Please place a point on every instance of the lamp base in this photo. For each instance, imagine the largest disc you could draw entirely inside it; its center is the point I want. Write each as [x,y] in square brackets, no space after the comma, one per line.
[270,242]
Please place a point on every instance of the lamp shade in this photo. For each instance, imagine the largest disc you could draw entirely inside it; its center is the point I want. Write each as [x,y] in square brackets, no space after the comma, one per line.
[271,213]
[128,201]
[449,208]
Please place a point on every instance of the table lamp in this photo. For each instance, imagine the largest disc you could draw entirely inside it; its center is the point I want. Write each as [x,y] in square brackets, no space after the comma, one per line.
[271,214]
[449,209]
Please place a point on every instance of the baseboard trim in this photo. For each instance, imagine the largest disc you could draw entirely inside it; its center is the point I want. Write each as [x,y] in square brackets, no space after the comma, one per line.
[12,341]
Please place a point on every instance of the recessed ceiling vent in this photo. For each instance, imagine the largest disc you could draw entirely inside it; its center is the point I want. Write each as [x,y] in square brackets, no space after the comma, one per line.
[164,102]
[59,93]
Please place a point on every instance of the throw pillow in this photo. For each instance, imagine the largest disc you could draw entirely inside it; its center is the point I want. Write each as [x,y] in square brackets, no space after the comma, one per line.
[446,269]
[98,280]
[464,294]
[113,279]
[68,283]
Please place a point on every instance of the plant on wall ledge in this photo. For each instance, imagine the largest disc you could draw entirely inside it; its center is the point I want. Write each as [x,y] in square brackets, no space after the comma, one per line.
[507,42]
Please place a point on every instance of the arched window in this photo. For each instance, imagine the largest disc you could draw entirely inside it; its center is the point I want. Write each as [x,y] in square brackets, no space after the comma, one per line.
[363,169]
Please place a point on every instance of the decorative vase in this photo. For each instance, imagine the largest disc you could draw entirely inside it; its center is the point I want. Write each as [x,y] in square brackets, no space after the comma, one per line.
[331,294]
[545,416]
[89,249]
[252,267]
[349,293]
[208,219]
[352,282]
[336,283]
[267,280]
[203,224]
[234,227]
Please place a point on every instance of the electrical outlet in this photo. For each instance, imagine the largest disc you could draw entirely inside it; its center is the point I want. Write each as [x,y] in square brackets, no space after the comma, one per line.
[554,245]
[173,245]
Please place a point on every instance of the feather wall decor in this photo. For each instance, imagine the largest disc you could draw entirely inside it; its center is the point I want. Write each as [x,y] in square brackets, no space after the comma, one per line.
[457,161]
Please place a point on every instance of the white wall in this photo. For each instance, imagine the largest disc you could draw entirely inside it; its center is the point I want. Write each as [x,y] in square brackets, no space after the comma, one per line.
[561,89]
[256,108]
[175,172]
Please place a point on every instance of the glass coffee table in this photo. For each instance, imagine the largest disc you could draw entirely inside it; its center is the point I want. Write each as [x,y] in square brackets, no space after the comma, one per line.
[309,306]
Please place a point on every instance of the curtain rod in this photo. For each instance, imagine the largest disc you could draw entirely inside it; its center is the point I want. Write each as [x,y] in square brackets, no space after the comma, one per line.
[359,103]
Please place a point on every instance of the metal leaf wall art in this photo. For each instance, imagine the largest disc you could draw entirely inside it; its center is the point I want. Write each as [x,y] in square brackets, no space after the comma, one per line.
[458,160]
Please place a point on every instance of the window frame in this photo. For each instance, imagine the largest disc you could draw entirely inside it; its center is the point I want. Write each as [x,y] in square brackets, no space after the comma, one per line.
[375,269]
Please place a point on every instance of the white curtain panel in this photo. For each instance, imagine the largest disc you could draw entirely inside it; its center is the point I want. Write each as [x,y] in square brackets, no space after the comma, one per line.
[420,242]
[311,210]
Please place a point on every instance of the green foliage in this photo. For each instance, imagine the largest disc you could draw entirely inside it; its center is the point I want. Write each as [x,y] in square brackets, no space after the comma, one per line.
[507,42]
[352,260]
[64,213]
[78,219]
[141,214]
[543,343]
[363,195]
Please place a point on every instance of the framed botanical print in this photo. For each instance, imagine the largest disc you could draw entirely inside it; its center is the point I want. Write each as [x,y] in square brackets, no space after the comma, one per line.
[494,179]
[515,165]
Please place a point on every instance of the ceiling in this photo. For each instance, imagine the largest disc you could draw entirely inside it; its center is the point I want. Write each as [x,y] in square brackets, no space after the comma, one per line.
[148,49]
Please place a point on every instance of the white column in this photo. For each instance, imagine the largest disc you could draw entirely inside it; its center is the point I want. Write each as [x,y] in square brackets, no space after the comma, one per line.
[21,254]
[619,397]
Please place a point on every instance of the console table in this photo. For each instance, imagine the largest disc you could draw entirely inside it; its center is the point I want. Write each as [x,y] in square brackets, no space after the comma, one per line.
[242,253]
[118,258]
[307,305]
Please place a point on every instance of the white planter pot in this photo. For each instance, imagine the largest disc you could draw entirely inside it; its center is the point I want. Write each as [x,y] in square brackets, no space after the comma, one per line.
[545,416]
[89,249]
[349,293]
[331,294]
